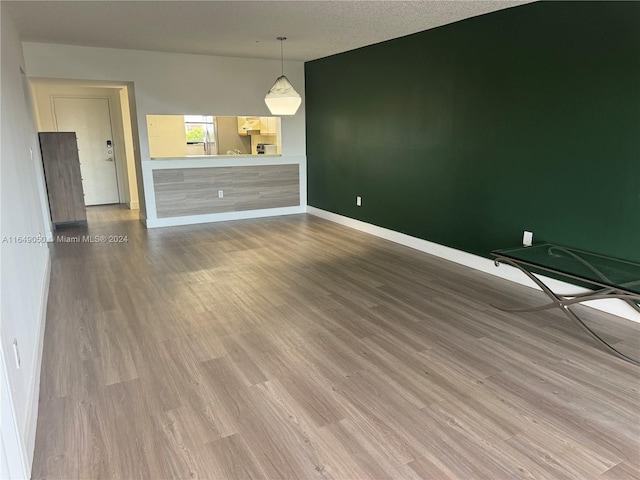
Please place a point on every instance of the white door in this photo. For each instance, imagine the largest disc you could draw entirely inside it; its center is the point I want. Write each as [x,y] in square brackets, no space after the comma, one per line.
[90,118]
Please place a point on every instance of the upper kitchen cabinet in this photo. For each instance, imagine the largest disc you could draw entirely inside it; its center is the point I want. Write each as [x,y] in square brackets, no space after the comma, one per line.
[269,125]
[258,125]
[248,126]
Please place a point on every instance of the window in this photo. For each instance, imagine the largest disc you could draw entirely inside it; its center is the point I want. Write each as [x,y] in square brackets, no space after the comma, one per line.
[198,128]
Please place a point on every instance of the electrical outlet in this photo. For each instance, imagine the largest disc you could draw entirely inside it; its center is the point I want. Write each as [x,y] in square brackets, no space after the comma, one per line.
[359,201]
[527,239]
[220,194]
[16,352]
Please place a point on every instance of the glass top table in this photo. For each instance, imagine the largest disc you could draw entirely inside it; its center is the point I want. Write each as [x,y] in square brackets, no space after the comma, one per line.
[590,267]
[610,278]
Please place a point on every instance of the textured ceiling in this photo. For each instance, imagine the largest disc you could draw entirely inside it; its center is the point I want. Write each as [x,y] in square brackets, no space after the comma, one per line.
[238,28]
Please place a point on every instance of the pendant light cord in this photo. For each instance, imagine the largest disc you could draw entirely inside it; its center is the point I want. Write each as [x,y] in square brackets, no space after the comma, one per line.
[282,39]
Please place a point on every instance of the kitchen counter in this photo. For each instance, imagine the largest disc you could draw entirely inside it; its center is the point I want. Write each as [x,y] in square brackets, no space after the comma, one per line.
[215,156]
[199,161]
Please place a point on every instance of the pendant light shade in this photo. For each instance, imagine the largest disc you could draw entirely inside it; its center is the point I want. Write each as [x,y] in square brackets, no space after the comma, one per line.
[282,99]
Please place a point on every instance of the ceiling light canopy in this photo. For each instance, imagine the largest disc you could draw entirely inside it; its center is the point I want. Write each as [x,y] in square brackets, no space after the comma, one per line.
[282,99]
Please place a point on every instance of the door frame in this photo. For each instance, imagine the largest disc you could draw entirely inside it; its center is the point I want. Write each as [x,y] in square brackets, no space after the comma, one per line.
[117,138]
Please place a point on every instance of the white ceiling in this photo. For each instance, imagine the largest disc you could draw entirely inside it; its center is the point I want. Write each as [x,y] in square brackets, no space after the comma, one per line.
[237,28]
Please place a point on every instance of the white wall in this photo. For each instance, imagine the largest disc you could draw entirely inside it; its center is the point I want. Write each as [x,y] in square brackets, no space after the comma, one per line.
[24,267]
[170,83]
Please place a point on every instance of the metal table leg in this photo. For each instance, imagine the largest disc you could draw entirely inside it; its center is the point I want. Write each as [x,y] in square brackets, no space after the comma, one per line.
[563,302]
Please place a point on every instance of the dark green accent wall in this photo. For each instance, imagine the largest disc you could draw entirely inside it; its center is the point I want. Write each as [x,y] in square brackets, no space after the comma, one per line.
[468,134]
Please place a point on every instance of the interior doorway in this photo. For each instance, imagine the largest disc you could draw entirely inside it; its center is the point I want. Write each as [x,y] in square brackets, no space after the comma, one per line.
[98,112]
[90,118]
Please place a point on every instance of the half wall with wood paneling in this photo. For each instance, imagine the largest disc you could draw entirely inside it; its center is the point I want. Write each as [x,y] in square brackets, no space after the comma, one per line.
[213,188]
[200,191]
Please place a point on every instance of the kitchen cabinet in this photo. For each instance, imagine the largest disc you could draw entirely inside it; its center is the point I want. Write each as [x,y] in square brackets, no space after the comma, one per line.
[248,126]
[257,126]
[63,178]
[268,125]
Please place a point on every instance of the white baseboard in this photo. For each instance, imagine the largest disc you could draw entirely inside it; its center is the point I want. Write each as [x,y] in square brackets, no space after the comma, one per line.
[34,392]
[223,217]
[615,307]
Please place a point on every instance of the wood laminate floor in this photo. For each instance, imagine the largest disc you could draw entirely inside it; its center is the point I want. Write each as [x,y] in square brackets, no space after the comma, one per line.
[292,347]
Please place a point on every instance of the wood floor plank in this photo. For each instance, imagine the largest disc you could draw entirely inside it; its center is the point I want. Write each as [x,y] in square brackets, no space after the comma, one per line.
[622,471]
[52,456]
[115,348]
[278,447]
[244,362]
[232,459]
[596,435]
[292,347]
[427,469]
[363,452]
[125,420]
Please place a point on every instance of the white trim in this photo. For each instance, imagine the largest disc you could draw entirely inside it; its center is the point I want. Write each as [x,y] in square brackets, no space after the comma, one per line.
[36,156]
[149,192]
[615,307]
[208,161]
[134,205]
[302,175]
[223,217]
[34,390]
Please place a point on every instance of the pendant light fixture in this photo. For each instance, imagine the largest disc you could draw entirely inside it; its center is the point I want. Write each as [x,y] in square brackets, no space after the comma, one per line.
[282,99]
